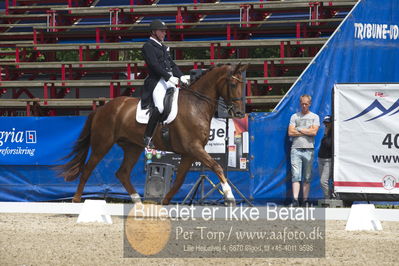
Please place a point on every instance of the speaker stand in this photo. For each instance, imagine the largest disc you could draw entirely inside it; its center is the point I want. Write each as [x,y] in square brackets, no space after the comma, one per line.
[215,186]
[200,183]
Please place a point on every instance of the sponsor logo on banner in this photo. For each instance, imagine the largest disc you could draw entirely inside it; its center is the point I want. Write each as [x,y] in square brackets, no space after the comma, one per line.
[380,94]
[389,182]
[376,105]
[12,142]
[30,136]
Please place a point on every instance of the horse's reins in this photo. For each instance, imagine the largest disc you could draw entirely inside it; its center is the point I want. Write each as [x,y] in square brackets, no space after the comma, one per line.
[212,101]
[200,95]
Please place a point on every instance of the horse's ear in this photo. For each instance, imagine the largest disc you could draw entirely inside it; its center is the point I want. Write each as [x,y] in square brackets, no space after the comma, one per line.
[240,68]
[244,67]
[237,68]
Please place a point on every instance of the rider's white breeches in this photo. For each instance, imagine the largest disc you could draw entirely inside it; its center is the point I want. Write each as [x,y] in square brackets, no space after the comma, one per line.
[159,93]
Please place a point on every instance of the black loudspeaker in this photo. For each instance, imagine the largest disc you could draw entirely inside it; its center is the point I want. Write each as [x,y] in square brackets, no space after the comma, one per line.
[158,181]
[221,111]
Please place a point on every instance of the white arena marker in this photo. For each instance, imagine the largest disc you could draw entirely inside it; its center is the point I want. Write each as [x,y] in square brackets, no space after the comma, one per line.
[94,211]
[363,217]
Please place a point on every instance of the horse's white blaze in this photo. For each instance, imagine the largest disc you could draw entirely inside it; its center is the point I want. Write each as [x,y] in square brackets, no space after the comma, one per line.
[227,191]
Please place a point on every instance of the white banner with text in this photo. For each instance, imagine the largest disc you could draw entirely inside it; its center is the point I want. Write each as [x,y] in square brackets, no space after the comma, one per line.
[366,138]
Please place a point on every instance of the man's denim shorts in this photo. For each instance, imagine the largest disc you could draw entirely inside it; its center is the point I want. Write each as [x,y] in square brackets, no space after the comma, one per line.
[301,164]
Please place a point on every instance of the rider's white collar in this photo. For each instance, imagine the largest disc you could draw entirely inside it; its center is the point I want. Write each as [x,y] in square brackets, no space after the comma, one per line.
[155,40]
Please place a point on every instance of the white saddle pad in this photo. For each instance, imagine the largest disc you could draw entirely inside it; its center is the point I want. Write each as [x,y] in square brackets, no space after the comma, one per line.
[142,115]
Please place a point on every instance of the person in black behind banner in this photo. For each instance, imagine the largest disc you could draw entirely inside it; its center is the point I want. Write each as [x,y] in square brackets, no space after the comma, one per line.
[325,159]
[163,74]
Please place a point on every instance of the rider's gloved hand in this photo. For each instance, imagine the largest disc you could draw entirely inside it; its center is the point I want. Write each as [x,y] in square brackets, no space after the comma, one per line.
[184,79]
[174,80]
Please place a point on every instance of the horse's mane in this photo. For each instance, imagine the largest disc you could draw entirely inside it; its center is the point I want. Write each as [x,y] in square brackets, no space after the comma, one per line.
[206,71]
[197,94]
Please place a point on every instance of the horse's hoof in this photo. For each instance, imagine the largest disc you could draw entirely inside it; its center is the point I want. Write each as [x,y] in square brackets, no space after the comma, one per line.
[230,202]
[165,202]
[75,200]
[137,201]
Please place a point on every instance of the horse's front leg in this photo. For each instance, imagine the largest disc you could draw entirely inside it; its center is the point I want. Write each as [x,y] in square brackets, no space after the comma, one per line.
[185,164]
[207,160]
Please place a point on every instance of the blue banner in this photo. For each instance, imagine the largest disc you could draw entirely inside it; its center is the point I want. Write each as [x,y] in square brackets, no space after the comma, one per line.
[37,140]
[32,146]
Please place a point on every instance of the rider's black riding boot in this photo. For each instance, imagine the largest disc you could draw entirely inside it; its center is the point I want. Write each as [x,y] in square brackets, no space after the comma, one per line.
[152,124]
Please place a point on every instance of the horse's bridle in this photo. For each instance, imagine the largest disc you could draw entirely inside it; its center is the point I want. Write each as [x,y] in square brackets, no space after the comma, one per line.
[239,80]
[230,102]
[235,85]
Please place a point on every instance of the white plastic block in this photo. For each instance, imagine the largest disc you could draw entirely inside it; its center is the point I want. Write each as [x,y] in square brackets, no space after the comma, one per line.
[363,217]
[94,211]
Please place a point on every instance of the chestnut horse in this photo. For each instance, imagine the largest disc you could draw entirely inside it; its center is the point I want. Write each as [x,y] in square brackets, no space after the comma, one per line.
[115,122]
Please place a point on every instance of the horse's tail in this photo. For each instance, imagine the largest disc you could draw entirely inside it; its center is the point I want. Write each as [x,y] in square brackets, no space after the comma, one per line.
[74,168]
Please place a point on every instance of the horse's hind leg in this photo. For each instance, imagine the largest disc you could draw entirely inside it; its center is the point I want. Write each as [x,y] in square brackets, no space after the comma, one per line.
[131,155]
[185,164]
[96,155]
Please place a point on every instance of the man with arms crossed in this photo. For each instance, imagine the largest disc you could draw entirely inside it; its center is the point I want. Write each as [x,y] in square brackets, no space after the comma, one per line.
[303,128]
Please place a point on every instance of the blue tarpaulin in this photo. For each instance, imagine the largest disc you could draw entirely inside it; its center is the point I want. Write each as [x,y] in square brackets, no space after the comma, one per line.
[363,49]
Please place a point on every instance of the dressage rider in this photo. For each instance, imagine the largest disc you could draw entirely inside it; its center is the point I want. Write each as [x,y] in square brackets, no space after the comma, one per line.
[163,74]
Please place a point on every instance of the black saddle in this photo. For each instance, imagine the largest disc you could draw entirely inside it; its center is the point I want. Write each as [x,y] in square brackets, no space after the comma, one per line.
[167,103]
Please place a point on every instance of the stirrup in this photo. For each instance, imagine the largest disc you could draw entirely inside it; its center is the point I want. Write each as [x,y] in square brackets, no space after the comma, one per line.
[148,143]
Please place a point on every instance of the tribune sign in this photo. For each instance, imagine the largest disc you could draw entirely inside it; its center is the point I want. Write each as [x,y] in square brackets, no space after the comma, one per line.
[366,138]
